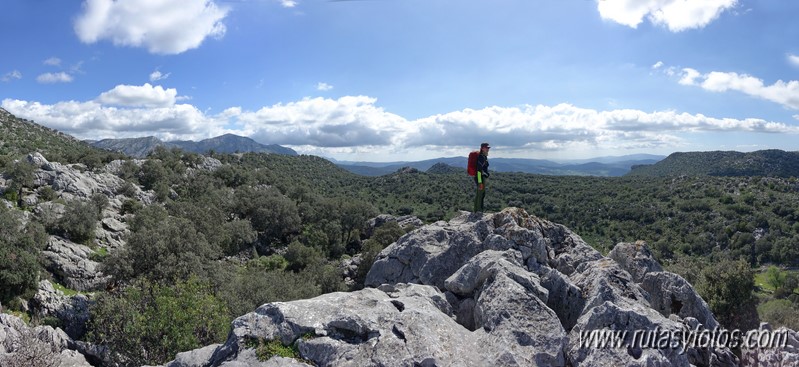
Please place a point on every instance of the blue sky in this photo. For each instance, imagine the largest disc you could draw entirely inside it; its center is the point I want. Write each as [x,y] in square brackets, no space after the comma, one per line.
[387,80]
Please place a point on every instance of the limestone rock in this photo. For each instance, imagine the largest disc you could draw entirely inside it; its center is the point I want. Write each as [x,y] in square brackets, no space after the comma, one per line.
[71,311]
[71,263]
[21,345]
[635,258]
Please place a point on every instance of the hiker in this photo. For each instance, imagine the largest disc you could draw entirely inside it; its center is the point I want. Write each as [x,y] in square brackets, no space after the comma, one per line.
[481,176]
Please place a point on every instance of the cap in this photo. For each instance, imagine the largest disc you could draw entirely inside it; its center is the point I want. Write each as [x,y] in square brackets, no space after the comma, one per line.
[484,145]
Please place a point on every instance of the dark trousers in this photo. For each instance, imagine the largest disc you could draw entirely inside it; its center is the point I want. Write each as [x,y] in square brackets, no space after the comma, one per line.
[479,196]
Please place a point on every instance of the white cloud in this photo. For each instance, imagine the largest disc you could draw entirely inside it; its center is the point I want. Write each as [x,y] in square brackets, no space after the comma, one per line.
[688,76]
[657,65]
[50,78]
[53,61]
[323,86]
[676,15]
[344,122]
[539,127]
[92,120]
[784,93]
[288,3]
[793,60]
[163,27]
[356,125]
[157,75]
[11,75]
[139,96]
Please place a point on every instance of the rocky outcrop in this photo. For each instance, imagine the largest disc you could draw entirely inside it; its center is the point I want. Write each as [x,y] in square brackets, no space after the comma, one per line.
[503,289]
[71,263]
[72,182]
[404,221]
[23,346]
[72,312]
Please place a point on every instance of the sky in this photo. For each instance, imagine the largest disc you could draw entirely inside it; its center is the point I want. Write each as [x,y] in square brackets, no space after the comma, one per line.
[403,80]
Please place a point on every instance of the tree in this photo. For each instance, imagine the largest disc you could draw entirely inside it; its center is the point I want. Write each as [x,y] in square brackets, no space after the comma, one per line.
[161,247]
[148,323]
[79,220]
[19,250]
[727,286]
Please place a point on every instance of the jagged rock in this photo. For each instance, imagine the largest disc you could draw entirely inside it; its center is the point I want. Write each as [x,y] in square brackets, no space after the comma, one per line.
[783,352]
[21,345]
[72,311]
[635,258]
[403,324]
[404,221]
[71,263]
[37,160]
[114,225]
[30,200]
[209,164]
[502,289]
[672,294]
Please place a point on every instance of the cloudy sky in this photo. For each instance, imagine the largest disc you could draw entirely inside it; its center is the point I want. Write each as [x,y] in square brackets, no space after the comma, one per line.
[386,80]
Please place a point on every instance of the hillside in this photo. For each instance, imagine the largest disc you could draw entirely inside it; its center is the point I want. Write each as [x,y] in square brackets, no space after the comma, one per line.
[228,143]
[765,163]
[19,137]
[602,166]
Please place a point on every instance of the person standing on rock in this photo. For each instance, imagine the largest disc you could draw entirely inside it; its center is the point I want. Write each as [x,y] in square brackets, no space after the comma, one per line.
[481,177]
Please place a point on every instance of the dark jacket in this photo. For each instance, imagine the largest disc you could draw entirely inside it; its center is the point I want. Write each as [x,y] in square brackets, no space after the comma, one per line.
[482,168]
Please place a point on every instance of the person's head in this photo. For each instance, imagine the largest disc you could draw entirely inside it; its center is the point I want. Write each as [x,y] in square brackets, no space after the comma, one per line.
[484,148]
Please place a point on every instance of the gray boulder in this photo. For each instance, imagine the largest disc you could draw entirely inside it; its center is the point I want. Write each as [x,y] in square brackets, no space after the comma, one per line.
[670,294]
[71,263]
[71,311]
[21,345]
[404,221]
[781,350]
[400,325]
[635,258]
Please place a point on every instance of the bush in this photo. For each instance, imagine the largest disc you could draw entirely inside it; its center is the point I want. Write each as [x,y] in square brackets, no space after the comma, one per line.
[148,323]
[161,247]
[19,250]
[79,221]
[779,312]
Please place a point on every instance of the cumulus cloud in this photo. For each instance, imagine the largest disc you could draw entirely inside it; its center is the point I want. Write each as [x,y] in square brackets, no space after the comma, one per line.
[53,61]
[357,125]
[793,60]
[555,127]
[784,93]
[323,86]
[676,15]
[51,78]
[157,75]
[11,75]
[163,27]
[322,122]
[92,120]
[288,3]
[139,96]
[657,65]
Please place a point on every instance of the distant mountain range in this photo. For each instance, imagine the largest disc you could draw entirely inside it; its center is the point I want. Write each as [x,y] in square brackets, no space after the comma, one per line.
[600,166]
[228,143]
[770,163]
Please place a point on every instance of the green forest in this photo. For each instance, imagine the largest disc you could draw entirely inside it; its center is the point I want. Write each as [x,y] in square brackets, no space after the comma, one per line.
[267,227]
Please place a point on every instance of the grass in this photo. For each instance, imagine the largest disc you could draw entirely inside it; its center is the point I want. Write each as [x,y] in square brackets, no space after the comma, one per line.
[67,292]
[266,349]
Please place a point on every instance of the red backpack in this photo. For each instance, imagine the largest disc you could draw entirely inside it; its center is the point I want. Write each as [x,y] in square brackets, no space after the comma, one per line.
[471,166]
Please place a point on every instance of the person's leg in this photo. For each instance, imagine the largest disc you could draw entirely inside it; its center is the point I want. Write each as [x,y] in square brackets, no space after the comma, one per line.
[478,198]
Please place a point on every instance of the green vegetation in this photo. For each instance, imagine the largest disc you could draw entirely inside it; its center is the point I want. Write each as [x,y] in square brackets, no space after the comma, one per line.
[148,322]
[19,249]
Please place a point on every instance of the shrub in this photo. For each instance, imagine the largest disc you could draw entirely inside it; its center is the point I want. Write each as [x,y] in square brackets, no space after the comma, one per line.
[79,221]
[19,250]
[148,323]
[779,312]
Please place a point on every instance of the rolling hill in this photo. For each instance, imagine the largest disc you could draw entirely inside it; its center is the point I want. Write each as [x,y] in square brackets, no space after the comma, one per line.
[228,143]
[767,163]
